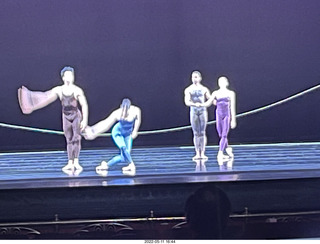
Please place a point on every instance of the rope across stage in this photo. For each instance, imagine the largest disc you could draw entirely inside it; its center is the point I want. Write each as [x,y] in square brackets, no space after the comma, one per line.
[160,131]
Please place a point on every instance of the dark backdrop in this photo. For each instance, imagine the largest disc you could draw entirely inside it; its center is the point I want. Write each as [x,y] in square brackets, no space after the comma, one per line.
[146,50]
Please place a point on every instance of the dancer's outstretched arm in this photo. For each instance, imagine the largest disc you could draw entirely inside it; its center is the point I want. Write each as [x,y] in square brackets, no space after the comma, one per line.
[91,132]
[210,101]
[30,101]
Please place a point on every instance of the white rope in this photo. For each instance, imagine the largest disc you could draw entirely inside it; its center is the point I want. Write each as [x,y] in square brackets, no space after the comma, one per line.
[159,131]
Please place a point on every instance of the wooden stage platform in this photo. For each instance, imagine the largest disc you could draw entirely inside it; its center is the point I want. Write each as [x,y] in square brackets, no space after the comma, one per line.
[161,165]
[262,178]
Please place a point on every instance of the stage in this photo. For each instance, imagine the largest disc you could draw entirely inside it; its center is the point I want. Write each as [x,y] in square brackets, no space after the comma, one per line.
[262,179]
[161,165]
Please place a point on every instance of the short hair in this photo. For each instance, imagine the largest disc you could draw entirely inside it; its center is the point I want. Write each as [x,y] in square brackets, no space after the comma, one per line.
[196,71]
[66,68]
[126,103]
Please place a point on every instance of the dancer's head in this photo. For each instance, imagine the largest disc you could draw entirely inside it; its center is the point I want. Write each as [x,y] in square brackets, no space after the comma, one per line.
[196,77]
[67,75]
[223,82]
[125,105]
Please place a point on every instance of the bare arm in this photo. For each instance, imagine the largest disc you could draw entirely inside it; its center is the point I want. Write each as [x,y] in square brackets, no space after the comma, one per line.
[233,110]
[187,98]
[207,94]
[91,132]
[51,97]
[137,123]
[210,100]
[84,109]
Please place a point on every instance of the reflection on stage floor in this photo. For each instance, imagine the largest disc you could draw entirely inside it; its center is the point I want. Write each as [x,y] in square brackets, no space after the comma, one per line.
[161,165]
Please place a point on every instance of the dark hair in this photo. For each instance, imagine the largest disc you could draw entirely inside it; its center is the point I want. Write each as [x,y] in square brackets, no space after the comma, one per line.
[207,212]
[126,103]
[196,71]
[66,68]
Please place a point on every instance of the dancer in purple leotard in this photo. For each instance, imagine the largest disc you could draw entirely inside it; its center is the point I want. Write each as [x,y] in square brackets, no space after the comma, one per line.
[225,101]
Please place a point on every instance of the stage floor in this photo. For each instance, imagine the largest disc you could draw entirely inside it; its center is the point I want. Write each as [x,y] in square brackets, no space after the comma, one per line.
[161,165]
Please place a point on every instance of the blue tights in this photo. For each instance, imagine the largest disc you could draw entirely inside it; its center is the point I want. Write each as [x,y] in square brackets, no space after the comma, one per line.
[125,145]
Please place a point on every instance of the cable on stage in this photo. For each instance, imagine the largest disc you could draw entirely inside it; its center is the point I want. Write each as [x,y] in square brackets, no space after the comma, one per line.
[160,131]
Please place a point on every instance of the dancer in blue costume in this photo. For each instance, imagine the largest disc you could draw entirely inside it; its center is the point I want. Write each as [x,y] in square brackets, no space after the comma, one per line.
[127,120]
[225,101]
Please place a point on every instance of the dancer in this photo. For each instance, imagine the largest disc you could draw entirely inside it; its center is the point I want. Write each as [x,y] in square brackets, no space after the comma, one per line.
[194,97]
[73,120]
[225,101]
[128,120]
